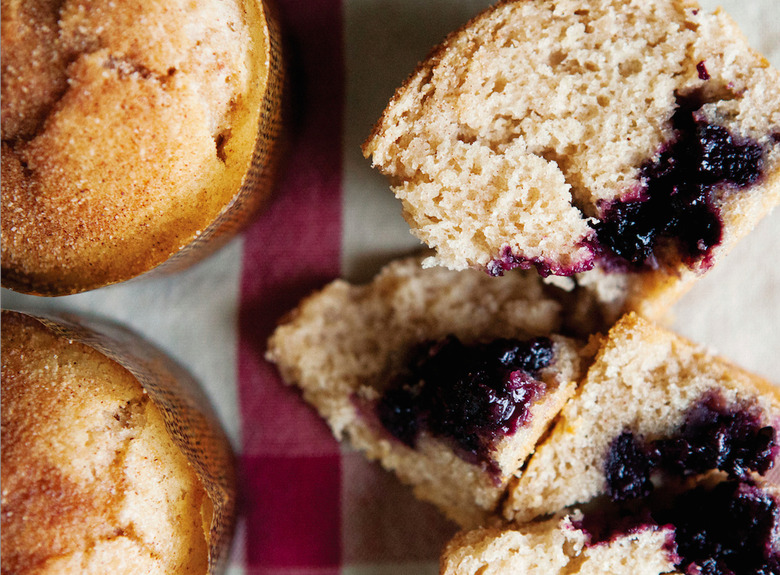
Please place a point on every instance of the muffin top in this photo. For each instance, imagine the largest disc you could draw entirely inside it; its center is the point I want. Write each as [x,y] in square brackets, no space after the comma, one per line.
[90,476]
[127,127]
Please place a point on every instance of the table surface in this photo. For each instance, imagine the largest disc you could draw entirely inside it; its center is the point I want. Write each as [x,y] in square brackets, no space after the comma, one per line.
[309,505]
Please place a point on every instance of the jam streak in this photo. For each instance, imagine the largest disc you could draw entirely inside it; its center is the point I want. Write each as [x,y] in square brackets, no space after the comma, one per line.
[711,437]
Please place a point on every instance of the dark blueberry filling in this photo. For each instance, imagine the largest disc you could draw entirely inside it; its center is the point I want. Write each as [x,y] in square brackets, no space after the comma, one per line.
[507,260]
[628,468]
[729,529]
[676,205]
[714,437]
[711,437]
[473,395]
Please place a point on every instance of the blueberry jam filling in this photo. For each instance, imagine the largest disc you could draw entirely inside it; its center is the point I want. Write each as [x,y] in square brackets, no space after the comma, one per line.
[711,437]
[507,260]
[714,437]
[628,468]
[676,205]
[471,395]
[729,529]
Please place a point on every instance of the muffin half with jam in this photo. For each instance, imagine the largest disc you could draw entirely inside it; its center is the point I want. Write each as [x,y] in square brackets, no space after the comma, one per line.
[654,412]
[447,378]
[626,145]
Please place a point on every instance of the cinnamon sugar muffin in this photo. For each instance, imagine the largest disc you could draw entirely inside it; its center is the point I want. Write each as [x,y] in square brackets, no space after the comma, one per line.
[447,378]
[626,144]
[654,409]
[92,481]
[132,132]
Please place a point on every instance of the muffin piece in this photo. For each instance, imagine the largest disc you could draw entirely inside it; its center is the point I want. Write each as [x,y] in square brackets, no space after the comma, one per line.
[557,546]
[93,481]
[654,409]
[132,132]
[729,527]
[447,378]
[627,144]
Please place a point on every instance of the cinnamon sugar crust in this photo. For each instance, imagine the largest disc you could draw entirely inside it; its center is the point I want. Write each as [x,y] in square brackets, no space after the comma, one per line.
[127,129]
[91,480]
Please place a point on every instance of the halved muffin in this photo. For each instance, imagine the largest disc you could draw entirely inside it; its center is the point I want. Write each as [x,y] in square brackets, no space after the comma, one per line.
[628,145]
[447,378]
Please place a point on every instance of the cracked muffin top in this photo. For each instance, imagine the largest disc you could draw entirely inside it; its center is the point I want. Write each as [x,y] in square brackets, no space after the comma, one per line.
[127,127]
[92,481]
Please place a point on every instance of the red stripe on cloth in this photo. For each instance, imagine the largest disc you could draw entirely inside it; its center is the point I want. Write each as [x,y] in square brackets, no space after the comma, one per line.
[292,521]
[290,462]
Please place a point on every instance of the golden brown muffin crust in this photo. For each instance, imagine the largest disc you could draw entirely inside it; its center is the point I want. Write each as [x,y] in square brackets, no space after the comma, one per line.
[127,128]
[33,67]
[81,446]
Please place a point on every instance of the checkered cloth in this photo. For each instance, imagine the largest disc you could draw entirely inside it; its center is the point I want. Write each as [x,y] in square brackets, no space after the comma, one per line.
[309,505]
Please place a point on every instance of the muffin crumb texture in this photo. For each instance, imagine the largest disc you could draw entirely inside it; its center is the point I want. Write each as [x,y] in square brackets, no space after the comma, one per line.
[91,481]
[555,546]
